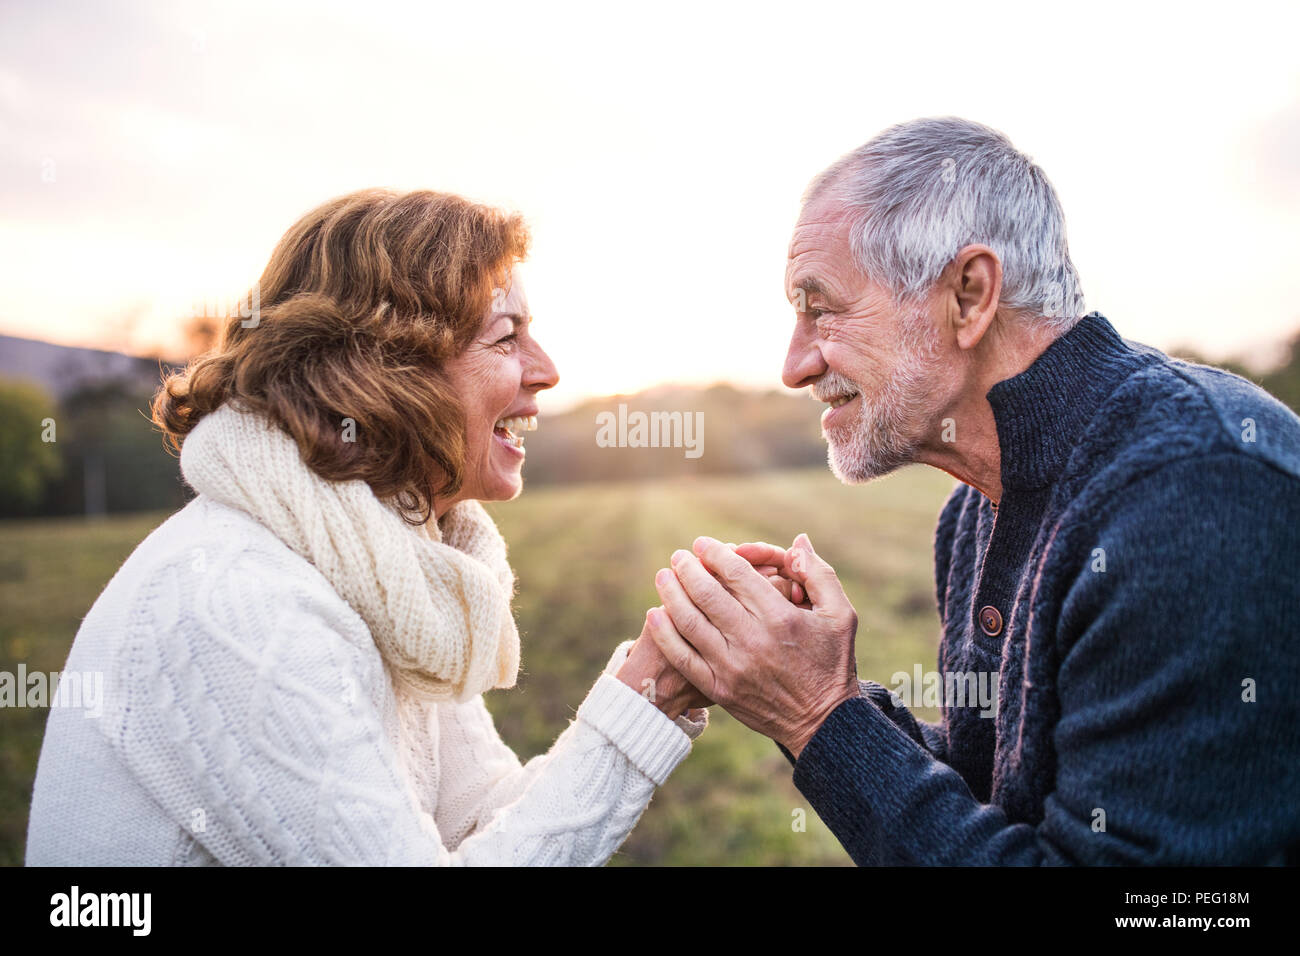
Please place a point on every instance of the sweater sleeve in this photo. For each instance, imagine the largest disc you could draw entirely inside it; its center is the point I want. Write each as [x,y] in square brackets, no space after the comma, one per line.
[1176,740]
[257,713]
[480,774]
[928,735]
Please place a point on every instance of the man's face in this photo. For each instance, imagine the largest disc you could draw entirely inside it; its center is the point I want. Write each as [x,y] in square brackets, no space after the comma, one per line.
[880,370]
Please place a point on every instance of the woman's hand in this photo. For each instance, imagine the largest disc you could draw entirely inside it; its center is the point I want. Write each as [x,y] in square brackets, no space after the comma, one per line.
[648,672]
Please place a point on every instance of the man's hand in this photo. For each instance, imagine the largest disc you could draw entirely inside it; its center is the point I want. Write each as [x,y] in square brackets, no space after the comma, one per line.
[648,672]
[770,561]
[778,668]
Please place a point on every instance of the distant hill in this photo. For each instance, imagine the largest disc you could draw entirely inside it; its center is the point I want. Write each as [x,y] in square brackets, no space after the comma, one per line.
[62,370]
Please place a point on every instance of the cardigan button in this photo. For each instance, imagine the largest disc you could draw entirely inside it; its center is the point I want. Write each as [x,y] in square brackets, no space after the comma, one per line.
[990,620]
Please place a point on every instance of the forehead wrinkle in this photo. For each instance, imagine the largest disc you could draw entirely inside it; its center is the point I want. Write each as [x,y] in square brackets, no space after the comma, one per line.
[809,241]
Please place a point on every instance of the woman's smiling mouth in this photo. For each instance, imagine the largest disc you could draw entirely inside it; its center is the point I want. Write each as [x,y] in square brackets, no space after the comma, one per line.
[510,431]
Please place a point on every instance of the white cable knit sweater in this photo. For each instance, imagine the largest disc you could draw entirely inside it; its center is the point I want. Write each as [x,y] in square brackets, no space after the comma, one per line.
[249,718]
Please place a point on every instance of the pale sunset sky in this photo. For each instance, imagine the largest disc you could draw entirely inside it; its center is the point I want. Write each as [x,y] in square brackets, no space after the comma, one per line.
[152,153]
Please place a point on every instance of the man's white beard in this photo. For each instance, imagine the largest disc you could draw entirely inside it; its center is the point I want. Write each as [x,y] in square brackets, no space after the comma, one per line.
[889,429]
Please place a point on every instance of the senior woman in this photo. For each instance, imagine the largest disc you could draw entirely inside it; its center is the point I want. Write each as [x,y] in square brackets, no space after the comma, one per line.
[294,662]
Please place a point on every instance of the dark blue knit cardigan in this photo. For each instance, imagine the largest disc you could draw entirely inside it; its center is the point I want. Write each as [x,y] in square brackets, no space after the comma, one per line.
[1145,563]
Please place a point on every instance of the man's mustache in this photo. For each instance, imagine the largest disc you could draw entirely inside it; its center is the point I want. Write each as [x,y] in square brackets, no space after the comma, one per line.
[833,385]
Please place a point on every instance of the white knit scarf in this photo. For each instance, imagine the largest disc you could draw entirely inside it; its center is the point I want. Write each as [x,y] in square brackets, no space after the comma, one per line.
[436,597]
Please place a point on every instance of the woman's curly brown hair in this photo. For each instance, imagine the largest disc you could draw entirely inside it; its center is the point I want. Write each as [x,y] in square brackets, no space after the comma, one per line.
[363,301]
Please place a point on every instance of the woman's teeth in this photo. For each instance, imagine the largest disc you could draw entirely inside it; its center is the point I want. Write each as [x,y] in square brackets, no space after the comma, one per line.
[515,426]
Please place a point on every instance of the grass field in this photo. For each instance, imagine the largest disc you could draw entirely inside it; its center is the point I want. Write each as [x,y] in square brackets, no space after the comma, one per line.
[586,557]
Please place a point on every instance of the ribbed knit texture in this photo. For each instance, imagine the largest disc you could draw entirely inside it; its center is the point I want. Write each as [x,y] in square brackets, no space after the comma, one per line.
[249,718]
[632,728]
[1144,561]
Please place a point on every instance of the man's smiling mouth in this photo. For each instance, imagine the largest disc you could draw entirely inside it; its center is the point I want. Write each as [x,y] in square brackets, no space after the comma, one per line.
[835,399]
[836,392]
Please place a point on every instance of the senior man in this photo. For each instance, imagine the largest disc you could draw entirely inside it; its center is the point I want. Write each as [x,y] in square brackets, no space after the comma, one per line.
[1122,554]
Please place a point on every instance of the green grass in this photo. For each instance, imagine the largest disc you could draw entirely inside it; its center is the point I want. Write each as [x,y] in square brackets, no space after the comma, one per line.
[586,557]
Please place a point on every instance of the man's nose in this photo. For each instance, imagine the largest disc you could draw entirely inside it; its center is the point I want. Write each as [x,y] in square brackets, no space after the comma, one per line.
[803,362]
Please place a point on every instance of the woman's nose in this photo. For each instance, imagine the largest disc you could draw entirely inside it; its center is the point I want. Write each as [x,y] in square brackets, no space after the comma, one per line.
[541,372]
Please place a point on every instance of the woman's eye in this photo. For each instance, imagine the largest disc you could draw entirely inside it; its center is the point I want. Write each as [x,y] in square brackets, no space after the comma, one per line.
[507,342]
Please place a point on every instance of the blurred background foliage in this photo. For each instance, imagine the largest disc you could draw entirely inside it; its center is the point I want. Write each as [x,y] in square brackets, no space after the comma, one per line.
[29,461]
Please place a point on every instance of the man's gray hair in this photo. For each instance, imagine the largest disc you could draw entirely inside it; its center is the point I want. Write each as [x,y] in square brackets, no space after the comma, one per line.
[920,191]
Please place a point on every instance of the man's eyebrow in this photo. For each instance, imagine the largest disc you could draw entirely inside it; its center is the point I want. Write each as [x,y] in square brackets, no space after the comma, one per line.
[811,285]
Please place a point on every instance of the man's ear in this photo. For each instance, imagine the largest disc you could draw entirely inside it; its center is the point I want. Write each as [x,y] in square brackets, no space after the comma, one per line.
[974,290]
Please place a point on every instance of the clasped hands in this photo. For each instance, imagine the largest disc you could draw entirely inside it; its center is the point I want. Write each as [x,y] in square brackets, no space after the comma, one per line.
[763,631]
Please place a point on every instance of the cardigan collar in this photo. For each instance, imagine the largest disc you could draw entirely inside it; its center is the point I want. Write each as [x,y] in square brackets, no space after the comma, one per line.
[1041,413]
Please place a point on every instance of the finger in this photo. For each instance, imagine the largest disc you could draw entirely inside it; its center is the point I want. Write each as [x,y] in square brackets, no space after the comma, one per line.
[738,576]
[795,591]
[792,591]
[817,578]
[760,552]
[689,620]
[708,594]
[782,584]
[684,658]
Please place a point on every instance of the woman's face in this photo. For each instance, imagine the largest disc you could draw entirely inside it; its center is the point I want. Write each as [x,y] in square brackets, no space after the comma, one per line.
[497,379]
